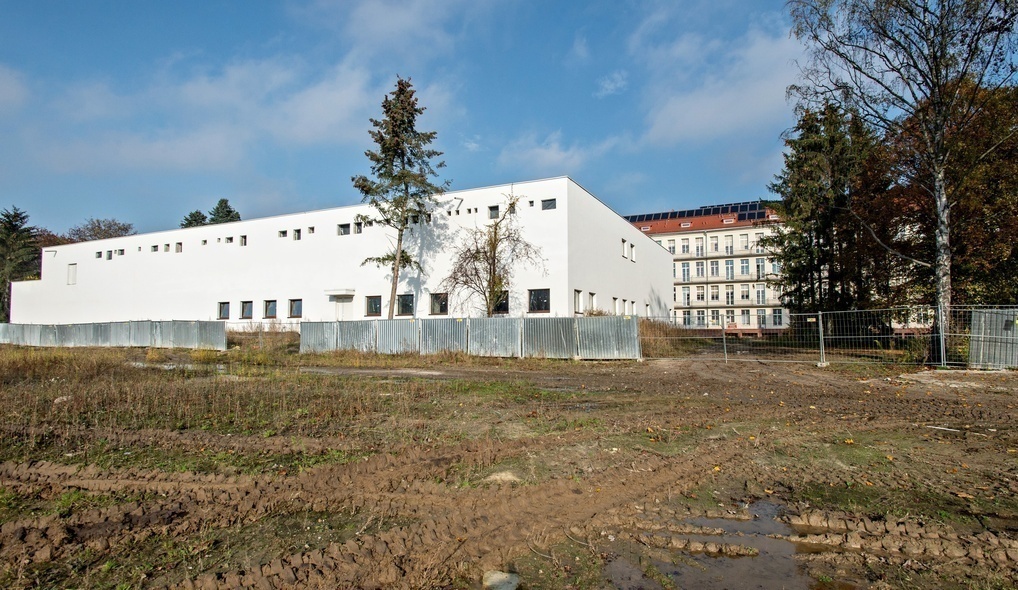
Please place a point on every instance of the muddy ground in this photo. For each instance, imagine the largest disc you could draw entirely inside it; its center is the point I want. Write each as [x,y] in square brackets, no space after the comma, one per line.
[661,474]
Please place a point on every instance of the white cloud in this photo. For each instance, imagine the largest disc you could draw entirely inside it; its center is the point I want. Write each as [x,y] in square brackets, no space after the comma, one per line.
[472,143]
[614,83]
[531,156]
[738,88]
[579,52]
[333,109]
[13,91]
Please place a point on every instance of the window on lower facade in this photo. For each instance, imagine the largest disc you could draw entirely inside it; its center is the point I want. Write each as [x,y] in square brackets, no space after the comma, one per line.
[246,310]
[547,204]
[439,304]
[373,305]
[405,304]
[701,318]
[493,212]
[343,229]
[729,294]
[715,317]
[539,300]
[730,316]
[761,317]
[686,315]
[296,308]
[502,304]
[778,318]
[269,309]
[745,317]
[715,293]
[224,310]
[72,274]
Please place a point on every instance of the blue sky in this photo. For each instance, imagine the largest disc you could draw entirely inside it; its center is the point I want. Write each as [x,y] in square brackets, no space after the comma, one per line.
[144,111]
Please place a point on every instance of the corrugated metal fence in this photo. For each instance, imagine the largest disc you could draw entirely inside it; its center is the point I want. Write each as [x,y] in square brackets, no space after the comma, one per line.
[610,337]
[167,334]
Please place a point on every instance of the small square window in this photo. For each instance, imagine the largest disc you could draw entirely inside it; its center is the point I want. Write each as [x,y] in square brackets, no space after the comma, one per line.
[343,229]
[501,306]
[109,255]
[358,227]
[296,235]
[243,240]
[282,233]
[373,305]
[405,304]
[539,300]
[166,247]
[311,229]
[224,310]
[296,308]
[439,304]
[98,254]
[155,248]
[246,310]
[229,240]
[493,212]
[548,204]
[179,247]
[204,242]
[269,309]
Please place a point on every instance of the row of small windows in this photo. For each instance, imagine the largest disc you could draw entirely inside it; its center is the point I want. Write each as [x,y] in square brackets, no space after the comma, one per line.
[178,247]
[681,271]
[700,293]
[715,244]
[295,309]
[700,319]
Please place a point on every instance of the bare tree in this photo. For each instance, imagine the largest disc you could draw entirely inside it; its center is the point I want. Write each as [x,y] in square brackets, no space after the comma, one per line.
[100,229]
[910,67]
[485,260]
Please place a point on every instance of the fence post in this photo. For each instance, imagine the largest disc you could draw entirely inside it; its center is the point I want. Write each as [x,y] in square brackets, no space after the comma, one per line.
[942,335]
[724,343]
[820,328]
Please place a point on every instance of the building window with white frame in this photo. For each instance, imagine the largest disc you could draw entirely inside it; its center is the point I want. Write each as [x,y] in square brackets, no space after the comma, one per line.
[744,266]
[729,294]
[761,269]
[699,246]
[745,317]
[714,244]
[701,318]
[729,270]
[269,309]
[761,294]
[759,243]
[715,268]
[778,318]
[685,245]
[296,308]
[224,310]
[246,310]
[687,318]
[715,317]
[699,269]
[685,296]
[715,293]
[700,292]
[744,241]
[729,248]
[671,246]
[761,318]
[685,272]
[729,317]
[744,292]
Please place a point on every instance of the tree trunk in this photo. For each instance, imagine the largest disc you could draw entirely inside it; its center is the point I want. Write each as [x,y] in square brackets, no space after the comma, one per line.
[396,261]
[942,240]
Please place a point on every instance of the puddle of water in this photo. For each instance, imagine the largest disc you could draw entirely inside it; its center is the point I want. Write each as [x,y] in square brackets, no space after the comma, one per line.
[774,568]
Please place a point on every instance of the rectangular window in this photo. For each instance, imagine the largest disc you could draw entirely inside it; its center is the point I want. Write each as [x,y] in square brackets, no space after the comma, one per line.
[358,227]
[760,268]
[685,296]
[778,319]
[715,293]
[671,246]
[72,274]
[744,241]
[715,268]
[166,247]
[730,317]
[203,243]
[109,255]
[120,252]
[675,294]
[243,240]
[632,252]
[685,272]
[686,315]
[405,304]
[775,267]
[296,234]
[744,292]
[493,212]
[155,248]
[744,266]
[269,309]
[699,247]
[713,243]
[547,204]
[311,229]
[761,317]
[224,310]
[699,269]
[373,305]
[100,254]
[180,247]
[539,300]
[615,305]
[745,317]
[715,317]
[439,304]
[685,245]
[591,301]
[246,310]
[759,245]
[296,308]
[700,292]
[701,318]
[729,270]
[501,306]
[229,239]
[729,248]
[577,301]
[729,294]
[343,229]
[282,233]
[625,250]
[674,267]
[761,295]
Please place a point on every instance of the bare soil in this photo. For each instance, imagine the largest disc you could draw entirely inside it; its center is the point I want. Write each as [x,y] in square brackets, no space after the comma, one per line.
[573,475]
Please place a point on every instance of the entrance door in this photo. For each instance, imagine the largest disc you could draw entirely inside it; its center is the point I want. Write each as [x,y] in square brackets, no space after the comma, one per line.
[344,306]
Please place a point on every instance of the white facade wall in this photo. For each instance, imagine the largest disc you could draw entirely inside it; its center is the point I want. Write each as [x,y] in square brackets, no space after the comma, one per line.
[185,274]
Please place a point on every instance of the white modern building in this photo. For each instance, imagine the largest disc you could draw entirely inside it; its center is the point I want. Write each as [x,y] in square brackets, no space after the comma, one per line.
[308,266]
[723,275]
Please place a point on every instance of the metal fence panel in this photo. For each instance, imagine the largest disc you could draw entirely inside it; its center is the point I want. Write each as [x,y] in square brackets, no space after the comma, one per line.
[47,336]
[185,334]
[162,334]
[398,336]
[141,333]
[211,335]
[318,336]
[609,337]
[494,337]
[549,337]
[5,333]
[443,335]
[993,339]
[359,335]
[120,333]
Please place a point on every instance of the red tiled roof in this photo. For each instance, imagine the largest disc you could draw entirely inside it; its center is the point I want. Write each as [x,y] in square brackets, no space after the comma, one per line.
[699,224]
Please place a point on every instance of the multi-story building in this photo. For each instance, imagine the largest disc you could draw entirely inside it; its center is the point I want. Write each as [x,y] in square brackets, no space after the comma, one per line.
[723,274]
